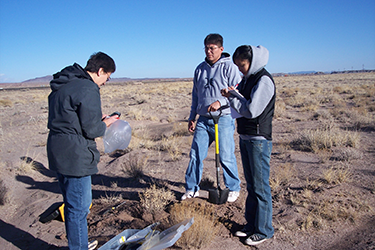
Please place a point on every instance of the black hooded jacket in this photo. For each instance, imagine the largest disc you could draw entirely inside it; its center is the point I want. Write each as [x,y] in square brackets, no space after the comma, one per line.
[74,121]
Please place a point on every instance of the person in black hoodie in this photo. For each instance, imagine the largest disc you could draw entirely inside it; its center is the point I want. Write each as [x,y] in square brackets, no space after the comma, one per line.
[74,121]
[254,101]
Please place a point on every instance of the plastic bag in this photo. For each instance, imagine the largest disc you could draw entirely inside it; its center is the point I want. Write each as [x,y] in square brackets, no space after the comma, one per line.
[117,136]
[148,238]
[130,236]
[166,238]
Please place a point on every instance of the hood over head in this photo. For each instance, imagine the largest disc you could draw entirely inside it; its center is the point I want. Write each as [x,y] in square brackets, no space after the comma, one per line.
[68,74]
[259,60]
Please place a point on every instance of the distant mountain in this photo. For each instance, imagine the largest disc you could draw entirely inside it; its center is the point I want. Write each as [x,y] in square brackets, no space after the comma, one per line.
[43,82]
[39,79]
[302,73]
[47,79]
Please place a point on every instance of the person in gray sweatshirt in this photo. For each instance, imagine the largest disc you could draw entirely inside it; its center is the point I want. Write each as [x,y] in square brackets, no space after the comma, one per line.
[216,72]
[255,105]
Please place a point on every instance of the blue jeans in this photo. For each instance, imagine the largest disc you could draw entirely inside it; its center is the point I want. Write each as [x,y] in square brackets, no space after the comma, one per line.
[204,135]
[256,155]
[77,198]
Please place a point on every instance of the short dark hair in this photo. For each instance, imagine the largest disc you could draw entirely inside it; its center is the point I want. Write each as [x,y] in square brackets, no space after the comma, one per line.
[214,39]
[100,60]
[243,52]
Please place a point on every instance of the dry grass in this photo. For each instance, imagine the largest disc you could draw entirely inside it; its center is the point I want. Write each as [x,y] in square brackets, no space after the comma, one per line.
[337,175]
[141,138]
[6,103]
[204,228]
[281,175]
[134,167]
[155,199]
[325,138]
[172,145]
[28,164]
[111,198]
[347,154]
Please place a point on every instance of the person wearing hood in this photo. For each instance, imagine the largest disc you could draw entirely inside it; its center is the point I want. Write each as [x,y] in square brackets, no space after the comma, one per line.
[217,71]
[74,121]
[255,130]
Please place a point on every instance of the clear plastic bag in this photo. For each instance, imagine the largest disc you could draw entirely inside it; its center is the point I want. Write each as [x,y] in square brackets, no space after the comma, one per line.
[117,136]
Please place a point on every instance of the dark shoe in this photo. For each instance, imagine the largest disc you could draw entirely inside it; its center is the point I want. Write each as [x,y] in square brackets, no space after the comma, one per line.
[255,239]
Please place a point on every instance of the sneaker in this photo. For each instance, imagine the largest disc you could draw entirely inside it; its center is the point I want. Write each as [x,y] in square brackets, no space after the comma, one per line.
[93,244]
[189,194]
[255,239]
[233,195]
[243,233]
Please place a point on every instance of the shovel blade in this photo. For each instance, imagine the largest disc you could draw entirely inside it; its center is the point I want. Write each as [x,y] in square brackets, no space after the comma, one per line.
[218,196]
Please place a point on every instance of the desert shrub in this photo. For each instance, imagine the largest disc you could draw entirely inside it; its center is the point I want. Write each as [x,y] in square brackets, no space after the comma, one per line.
[110,198]
[204,228]
[347,154]
[313,184]
[6,103]
[172,145]
[280,108]
[337,175]
[282,146]
[134,167]
[324,155]
[343,89]
[27,165]
[154,199]
[290,92]
[3,193]
[322,214]
[281,175]
[359,119]
[136,113]
[325,138]
[322,115]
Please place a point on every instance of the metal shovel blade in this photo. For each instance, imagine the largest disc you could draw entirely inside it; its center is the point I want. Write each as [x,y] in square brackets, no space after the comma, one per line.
[218,195]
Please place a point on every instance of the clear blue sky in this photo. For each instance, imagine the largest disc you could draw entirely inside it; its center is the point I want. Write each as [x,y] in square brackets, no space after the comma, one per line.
[164,38]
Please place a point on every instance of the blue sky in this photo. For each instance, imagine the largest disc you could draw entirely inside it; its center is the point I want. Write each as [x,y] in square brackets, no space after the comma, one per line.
[164,38]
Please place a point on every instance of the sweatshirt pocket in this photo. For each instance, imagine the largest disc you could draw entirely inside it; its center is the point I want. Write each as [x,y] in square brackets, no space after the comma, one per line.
[95,155]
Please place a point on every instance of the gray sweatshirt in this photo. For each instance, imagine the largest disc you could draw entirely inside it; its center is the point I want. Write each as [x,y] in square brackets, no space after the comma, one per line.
[261,94]
[208,81]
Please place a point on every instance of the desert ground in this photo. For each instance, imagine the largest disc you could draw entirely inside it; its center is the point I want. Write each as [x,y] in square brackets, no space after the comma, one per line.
[322,168]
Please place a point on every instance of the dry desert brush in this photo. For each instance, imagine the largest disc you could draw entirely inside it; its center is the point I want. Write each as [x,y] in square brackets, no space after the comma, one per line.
[154,199]
[205,225]
[327,137]
[134,167]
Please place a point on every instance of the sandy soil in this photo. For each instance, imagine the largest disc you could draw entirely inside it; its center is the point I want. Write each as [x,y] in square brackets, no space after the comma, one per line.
[309,212]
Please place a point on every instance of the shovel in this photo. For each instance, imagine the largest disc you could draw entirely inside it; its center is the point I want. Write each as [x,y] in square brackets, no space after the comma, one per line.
[218,195]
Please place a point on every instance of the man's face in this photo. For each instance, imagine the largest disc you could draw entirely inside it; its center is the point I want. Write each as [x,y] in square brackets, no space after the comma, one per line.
[102,77]
[213,52]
